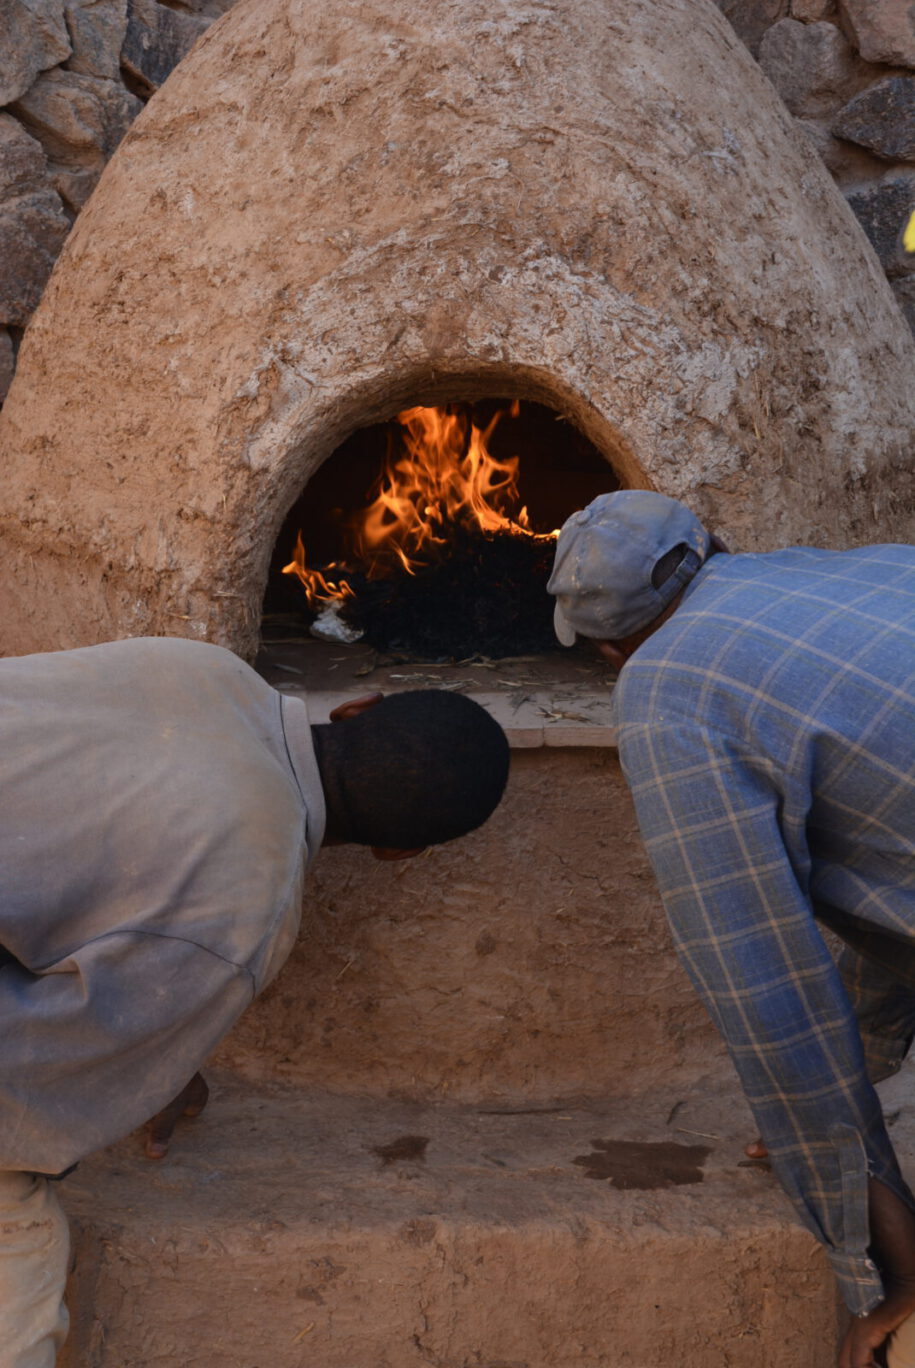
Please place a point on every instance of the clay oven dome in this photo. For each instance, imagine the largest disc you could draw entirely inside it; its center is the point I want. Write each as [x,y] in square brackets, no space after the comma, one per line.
[333,210]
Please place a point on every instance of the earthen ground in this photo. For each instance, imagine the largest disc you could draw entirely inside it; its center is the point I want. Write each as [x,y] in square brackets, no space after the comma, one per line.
[294,1227]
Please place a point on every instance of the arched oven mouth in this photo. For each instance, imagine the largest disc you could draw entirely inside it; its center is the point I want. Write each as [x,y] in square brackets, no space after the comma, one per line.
[418,556]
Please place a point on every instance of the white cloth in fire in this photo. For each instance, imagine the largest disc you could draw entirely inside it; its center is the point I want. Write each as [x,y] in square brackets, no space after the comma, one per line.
[158,805]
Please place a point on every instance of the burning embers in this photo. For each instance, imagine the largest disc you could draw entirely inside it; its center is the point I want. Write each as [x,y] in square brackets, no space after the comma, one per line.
[442,561]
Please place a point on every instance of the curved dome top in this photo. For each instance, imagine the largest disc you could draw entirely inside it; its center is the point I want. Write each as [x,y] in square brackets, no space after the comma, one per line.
[331,210]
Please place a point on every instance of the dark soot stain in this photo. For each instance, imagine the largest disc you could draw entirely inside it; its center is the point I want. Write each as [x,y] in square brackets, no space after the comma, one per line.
[637,1164]
[405,1147]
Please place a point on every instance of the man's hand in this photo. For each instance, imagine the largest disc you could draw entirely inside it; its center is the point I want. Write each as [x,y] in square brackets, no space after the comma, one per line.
[892,1227]
[189,1102]
[893,1242]
[865,1341]
[893,1246]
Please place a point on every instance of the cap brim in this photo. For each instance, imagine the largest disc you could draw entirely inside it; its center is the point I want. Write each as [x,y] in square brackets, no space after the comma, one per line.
[562,626]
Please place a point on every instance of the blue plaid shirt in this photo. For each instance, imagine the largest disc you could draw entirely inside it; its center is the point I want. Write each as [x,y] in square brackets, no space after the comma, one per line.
[767,732]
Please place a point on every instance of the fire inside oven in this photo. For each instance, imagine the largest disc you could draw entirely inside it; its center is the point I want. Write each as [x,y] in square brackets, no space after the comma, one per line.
[432,535]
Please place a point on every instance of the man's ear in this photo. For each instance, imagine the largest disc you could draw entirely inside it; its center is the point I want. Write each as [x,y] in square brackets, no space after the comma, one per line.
[613,653]
[345,711]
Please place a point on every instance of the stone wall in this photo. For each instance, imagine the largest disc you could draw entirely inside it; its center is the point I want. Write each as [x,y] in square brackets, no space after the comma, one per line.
[73,76]
[846,71]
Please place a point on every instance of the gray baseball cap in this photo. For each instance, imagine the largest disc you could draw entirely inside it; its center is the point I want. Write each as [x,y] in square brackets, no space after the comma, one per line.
[604,561]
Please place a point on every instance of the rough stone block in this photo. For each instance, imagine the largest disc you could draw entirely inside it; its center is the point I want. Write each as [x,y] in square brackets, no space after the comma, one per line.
[210,9]
[7,363]
[156,40]
[33,37]
[32,232]
[76,117]
[882,119]
[882,30]
[810,11]
[849,165]
[22,162]
[812,66]
[75,187]
[883,211]
[751,18]
[79,121]
[32,224]
[97,29]
[904,290]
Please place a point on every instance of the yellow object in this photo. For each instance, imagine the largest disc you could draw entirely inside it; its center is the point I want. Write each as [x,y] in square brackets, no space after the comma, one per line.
[908,237]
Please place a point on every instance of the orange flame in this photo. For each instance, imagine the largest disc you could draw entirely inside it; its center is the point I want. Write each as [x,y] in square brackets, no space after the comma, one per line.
[444,475]
[319,589]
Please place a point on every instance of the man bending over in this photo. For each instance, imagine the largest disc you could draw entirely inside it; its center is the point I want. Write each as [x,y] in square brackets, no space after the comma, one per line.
[159,804]
[766,713]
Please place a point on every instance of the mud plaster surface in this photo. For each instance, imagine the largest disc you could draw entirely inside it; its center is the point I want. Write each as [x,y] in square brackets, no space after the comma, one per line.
[529,961]
[330,211]
[277,1235]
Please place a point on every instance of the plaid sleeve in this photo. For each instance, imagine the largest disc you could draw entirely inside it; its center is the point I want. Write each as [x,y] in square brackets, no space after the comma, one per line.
[712,817]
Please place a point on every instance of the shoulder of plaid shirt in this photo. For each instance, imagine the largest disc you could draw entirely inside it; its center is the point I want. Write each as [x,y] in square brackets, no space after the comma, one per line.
[767,732]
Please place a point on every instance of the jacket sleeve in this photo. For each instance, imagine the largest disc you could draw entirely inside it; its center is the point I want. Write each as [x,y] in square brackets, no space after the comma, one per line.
[102,1040]
[714,822]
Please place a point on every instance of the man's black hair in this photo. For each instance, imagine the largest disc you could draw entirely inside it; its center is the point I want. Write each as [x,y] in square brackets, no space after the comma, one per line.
[416,769]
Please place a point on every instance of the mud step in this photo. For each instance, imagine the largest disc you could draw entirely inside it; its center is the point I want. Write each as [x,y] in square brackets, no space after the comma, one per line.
[288,1229]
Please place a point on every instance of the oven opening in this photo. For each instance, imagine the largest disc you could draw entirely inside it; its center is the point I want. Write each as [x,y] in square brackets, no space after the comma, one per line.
[418,555]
